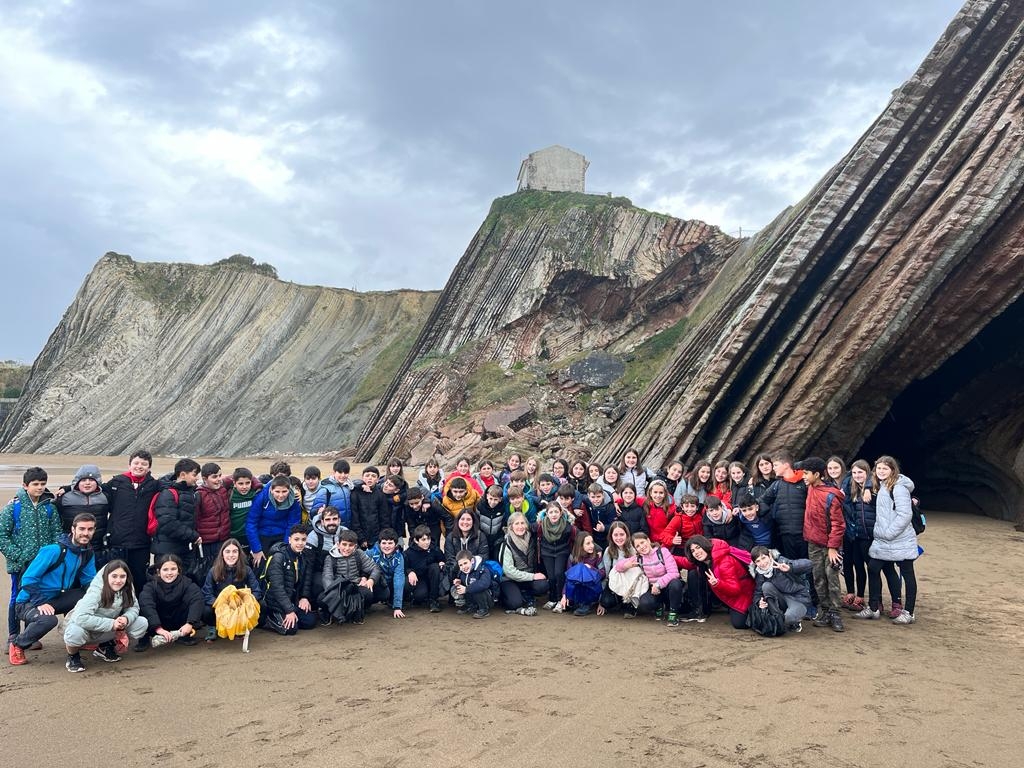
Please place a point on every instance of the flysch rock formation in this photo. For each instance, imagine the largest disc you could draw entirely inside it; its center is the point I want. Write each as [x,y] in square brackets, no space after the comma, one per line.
[905,253]
[221,359]
[548,277]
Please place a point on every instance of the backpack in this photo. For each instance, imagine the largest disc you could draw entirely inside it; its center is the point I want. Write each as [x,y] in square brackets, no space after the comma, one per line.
[60,559]
[151,521]
[497,572]
[263,577]
[917,518]
[16,514]
[768,622]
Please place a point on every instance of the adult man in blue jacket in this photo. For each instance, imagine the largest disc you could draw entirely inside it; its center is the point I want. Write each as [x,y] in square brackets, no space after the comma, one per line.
[53,583]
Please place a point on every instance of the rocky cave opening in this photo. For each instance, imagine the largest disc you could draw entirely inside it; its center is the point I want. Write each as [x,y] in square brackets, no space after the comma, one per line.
[958,432]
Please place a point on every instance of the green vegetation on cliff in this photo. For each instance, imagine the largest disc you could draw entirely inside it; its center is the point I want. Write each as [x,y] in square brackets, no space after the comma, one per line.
[648,358]
[517,208]
[248,263]
[13,376]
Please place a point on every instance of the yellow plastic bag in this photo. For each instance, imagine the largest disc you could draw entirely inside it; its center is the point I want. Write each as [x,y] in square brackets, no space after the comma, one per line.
[237,611]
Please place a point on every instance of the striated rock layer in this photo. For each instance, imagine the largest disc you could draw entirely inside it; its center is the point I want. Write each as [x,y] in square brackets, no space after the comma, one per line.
[547,276]
[221,359]
[905,252]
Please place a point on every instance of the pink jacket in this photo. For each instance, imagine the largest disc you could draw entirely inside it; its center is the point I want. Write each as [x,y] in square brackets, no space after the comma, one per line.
[658,564]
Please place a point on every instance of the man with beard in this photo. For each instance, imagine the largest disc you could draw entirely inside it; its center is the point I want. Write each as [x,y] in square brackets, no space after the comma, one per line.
[321,540]
[53,583]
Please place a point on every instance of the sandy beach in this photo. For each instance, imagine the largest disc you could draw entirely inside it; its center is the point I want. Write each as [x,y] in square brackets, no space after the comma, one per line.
[435,690]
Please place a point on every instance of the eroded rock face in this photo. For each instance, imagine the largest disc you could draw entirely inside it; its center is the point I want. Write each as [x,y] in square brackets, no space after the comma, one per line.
[548,277]
[217,359]
[900,256]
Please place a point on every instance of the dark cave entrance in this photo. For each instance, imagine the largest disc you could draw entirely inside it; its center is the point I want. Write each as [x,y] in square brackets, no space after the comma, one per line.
[957,431]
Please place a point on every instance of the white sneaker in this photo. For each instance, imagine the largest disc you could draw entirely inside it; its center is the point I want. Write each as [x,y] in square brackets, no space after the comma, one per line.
[528,610]
[905,617]
[867,613]
[559,608]
[549,605]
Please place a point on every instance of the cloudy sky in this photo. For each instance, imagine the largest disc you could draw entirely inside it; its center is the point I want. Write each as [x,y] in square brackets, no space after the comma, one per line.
[359,144]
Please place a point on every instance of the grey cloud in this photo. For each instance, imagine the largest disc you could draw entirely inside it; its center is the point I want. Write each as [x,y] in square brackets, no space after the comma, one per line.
[360,144]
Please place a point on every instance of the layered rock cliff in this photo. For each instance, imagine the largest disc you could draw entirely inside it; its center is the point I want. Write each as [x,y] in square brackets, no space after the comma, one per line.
[881,314]
[905,252]
[222,359]
[547,277]
[804,337]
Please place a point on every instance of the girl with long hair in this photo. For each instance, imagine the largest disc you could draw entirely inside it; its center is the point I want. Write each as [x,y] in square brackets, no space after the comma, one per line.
[108,614]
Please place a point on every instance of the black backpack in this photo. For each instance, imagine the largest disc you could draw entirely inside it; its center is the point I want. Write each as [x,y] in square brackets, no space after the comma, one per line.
[917,519]
[770,621]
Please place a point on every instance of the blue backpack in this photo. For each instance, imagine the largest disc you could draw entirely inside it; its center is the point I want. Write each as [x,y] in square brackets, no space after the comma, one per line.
[16,513]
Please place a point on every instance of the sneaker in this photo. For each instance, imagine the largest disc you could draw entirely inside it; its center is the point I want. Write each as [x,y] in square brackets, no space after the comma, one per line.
[36,646]
[905,617]
[528,610]
[211,634]
[798,627]
[188,639]
[107,652]
[896,610]
[700,618]
[627,614]
[435,607]
[481,613]
[74,663]
[658,614]
[858,604]
[17,655]
[836,621]
[121,641]
[144,644]
[867,613]
[848,599]
[822,618]
[461,610]
[325,618]
[673,620]
[559,608]
[581,610]
[550,605]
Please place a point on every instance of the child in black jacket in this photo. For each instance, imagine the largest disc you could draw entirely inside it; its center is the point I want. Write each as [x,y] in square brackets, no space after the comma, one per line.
[472,586]
[172,604]
[424,566]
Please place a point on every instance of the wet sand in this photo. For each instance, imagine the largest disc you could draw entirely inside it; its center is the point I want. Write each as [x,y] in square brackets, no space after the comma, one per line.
[444,689]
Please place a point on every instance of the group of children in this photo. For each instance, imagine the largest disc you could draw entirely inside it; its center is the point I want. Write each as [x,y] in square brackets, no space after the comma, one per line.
[578,537]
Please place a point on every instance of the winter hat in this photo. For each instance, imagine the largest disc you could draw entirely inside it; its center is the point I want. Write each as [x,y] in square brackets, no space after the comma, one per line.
[87,471]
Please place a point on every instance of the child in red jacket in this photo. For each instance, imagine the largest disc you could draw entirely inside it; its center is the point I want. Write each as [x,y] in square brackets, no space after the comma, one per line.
[725,569]
[824,528]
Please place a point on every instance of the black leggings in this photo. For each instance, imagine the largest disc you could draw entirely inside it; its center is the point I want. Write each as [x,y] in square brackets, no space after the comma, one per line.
[516,594]
[875,570]
[671,594]
[855,562]
[738,619]
[555,567]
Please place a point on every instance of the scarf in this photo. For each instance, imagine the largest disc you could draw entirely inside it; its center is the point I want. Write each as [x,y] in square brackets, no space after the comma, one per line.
[766,572]
[520,549]
[287,503]
[553,532]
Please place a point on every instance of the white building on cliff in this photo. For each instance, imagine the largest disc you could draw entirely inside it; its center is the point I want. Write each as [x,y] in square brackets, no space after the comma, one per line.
[555,169]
